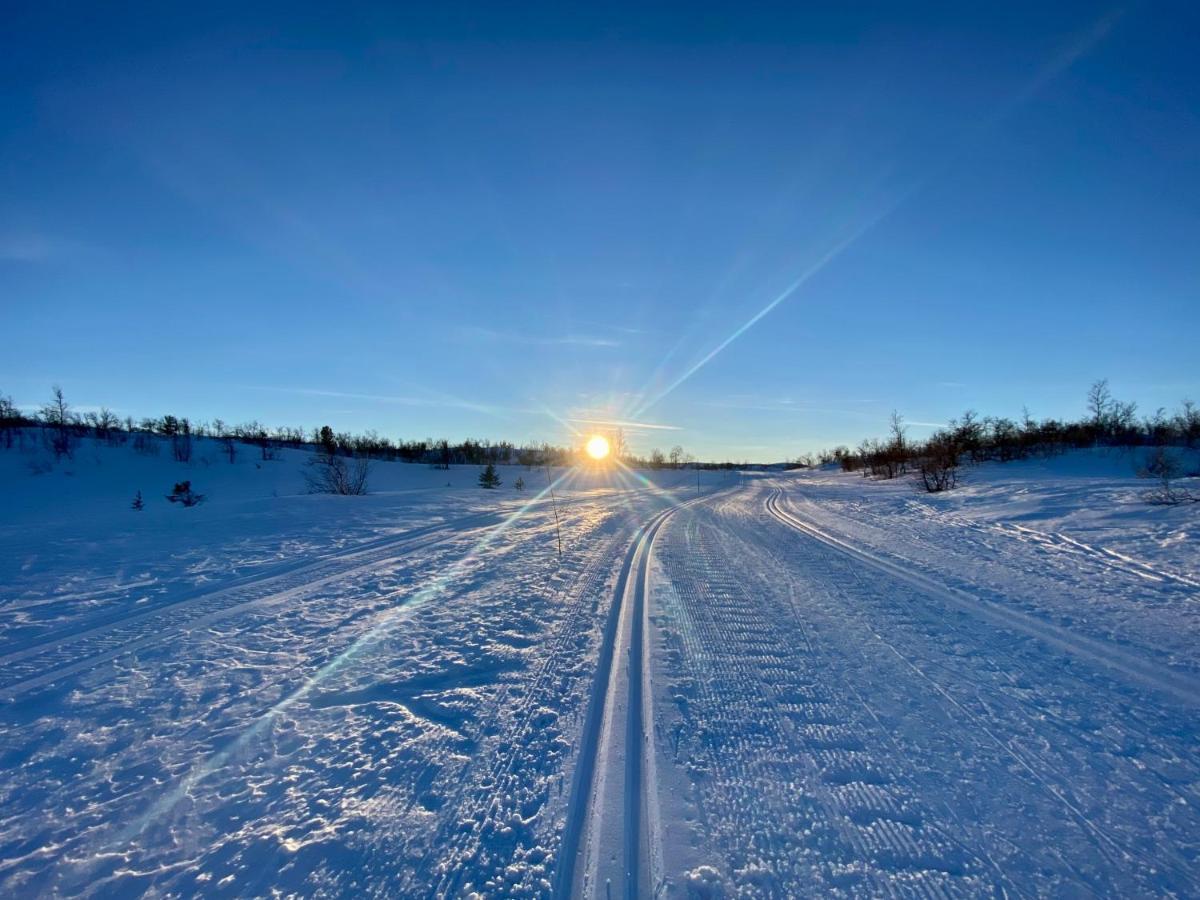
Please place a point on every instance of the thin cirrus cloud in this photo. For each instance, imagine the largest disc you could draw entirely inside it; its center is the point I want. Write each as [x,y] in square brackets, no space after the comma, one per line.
[620,423]
[25,249]
[37,248]
[390,399]
[532,340]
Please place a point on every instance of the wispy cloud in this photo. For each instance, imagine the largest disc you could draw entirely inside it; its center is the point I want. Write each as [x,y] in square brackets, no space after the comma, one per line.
[619,423]
[398,400]
[533,340]
[36,248]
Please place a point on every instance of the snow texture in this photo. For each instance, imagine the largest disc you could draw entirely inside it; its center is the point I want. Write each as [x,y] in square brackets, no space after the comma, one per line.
[780,684]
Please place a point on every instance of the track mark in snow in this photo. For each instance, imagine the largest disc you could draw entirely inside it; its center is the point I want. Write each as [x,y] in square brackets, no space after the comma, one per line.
[775,785]
[1079,762]
[1058,542]
[83,648]
[1106,655]
[608,849]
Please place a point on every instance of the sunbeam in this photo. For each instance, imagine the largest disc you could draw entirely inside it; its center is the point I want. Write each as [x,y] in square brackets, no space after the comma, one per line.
[1075,50]
[372,637]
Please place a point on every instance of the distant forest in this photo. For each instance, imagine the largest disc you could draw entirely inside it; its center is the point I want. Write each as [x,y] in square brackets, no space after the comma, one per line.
[58,427]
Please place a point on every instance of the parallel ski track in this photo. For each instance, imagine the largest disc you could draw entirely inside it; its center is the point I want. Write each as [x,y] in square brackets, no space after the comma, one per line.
[1055,782]
[452,843]
[1095,652]
[364,554]
[72,650]
[1057,542]
[582,810]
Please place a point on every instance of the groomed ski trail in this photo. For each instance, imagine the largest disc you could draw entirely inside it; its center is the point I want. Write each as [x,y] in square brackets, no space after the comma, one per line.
[607,847]
[1179,687]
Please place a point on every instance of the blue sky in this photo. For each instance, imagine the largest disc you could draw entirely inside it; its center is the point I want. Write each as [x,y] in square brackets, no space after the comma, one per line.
[502,222]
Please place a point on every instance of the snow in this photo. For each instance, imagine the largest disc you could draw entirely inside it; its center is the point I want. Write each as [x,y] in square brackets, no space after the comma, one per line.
[783,684]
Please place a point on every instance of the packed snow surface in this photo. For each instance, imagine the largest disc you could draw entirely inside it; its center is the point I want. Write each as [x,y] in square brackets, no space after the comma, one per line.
[764,684]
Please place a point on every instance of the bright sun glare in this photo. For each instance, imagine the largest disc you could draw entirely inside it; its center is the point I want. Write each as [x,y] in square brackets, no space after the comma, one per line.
[597,447]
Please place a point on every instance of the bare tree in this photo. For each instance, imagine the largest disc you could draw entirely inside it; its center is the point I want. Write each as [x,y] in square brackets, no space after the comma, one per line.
[939,463]
[107,424]
[619,447]
[554,504]
[58,418]
[181,441]
[1165,467]
[898,448]
[10,419]
[329,473]
[1099,404]
[227,438]
[1188,423]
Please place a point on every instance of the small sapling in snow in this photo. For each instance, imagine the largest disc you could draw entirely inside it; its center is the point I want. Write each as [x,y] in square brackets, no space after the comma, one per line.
[138,503]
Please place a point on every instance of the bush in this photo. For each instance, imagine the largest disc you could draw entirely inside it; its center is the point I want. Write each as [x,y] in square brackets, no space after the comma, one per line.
[329,473]
[184,494]
[937,474]
[1165,466]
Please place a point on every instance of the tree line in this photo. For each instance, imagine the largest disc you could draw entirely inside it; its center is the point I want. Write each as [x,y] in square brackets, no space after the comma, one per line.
[59,427]
[970,438]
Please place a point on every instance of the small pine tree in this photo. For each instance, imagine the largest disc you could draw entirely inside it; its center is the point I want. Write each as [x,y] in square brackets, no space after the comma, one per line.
[488,477]
[519,484]
[138,502]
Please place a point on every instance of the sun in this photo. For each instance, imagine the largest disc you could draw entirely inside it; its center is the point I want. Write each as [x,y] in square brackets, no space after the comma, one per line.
[597,447]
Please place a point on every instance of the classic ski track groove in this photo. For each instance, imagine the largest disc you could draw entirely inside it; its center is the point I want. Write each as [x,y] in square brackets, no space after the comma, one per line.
[1096,652]
[583,811]
[1053,782]
[1059,542]
[470,794]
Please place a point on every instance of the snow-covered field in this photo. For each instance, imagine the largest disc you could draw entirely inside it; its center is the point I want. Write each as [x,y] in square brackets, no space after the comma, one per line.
[800,684]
